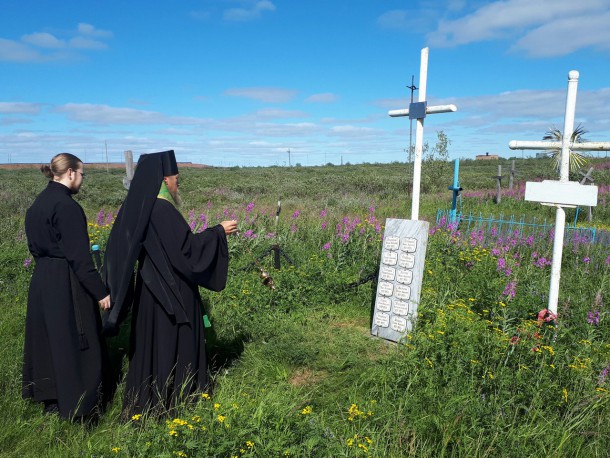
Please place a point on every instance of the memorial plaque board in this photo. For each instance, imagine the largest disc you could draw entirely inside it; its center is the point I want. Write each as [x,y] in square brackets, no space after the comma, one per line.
[400,277]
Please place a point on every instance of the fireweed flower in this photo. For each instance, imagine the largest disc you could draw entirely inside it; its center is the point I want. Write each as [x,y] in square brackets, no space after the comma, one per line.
[250,207]
[296,214]
[510,289]
[326,246]
[27,262]
[586,260]
[323,213]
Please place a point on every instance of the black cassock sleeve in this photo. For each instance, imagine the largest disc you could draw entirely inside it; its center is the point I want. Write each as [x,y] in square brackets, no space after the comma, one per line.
[73,239]
[201,259]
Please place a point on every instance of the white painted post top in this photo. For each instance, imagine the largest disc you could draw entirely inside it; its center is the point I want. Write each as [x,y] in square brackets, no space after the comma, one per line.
[562,193]
[554,145]
[429,110]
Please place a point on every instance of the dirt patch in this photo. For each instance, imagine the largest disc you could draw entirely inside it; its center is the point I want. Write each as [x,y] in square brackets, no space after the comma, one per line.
[305,377]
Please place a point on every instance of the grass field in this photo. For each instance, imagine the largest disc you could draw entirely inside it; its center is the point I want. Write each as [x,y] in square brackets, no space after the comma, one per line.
[295,370]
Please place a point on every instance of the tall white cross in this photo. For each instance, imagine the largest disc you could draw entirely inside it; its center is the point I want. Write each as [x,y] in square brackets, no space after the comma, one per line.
[419,111]
[563,193]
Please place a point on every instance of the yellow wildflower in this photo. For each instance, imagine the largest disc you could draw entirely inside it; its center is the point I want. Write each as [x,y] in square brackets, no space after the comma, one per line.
[250,444]
[216,406]
[221,418]
[116,449]
[565,395]
[307,410]
[205,396]
[136,417]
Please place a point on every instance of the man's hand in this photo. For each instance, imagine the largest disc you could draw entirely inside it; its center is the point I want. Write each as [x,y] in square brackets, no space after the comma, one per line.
[105,303]
[230,227]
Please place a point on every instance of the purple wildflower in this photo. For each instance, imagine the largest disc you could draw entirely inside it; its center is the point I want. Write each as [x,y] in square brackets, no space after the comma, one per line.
[250,207]
[501,264]
[100,218]
[586,260]
[249,234]
[323,213]
[511,289]
[324,224]
[326,246]
[27,262]
[296,214]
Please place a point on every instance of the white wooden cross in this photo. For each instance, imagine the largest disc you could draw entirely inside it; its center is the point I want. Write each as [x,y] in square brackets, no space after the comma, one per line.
[562,193]
[419,132]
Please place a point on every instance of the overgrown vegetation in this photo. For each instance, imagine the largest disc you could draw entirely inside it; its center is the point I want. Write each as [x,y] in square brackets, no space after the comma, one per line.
[296,372]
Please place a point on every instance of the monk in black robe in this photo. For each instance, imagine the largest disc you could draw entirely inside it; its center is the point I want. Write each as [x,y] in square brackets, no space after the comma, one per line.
[64,351]
[167,358]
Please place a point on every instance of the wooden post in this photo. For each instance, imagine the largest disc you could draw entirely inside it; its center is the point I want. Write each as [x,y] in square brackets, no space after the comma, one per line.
[499,185]
[128,169]
[512,175]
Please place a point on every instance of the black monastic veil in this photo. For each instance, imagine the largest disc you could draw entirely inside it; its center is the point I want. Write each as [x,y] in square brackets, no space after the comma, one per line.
[167,358]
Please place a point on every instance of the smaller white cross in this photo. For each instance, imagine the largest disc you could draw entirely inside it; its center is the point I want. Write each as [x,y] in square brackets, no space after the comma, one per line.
[562,193]
[419,132]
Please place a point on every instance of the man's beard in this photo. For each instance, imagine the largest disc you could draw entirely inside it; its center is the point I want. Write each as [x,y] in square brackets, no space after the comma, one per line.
[177,198]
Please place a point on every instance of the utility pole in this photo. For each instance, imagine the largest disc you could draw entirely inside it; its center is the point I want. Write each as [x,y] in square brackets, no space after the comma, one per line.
[106,146]
[289,164]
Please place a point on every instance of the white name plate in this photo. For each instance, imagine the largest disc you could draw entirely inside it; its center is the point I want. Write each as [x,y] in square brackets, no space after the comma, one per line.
[404,276]
[389,258]
[570,193]
[388,274]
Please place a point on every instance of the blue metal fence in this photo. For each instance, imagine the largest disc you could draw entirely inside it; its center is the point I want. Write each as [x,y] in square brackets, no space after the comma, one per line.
[471,222]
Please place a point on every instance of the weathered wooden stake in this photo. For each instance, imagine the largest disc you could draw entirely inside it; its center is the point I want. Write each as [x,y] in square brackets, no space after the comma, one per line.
[499,185]
[128,169]
[511,178]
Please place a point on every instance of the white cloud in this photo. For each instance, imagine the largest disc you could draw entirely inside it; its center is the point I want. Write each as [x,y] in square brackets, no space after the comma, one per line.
[20,108]
[277,113]
[353,131]
[541,27]
[45,47]
[90,31]
[107,115]
[43,40]
[394,19]
[565,36]
[253,11]
[263,94]
[325,97]
[14,51]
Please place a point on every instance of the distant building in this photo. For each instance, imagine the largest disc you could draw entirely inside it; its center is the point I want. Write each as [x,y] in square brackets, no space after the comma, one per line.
[487,157]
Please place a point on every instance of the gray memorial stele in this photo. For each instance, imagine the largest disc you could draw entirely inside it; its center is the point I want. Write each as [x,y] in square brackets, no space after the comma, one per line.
[400,277]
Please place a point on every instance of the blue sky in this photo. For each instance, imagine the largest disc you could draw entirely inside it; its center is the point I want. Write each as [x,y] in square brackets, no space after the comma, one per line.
[242,82]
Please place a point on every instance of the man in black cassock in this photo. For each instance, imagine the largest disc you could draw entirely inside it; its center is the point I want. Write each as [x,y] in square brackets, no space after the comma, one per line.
[64,351]
[167,358]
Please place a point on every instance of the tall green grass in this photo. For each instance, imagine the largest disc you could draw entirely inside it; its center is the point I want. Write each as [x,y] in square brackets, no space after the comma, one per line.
[295,370]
